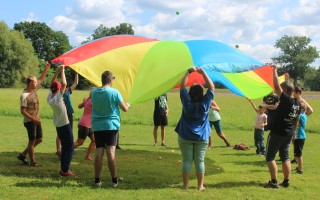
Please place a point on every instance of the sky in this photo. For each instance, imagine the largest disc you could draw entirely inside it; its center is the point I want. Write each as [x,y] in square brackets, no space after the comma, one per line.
[253,25]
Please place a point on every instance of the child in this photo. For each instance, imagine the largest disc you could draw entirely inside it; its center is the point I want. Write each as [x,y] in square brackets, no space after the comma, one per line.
[85,127]
[261,122]
[300,138]
[215,120]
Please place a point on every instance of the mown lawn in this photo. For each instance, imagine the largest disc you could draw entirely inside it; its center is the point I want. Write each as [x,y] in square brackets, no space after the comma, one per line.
[150,172]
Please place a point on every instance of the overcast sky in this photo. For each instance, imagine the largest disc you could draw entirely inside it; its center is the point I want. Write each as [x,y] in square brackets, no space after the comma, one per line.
[254,25]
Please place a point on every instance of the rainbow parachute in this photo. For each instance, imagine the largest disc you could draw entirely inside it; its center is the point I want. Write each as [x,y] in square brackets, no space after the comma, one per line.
[146,68]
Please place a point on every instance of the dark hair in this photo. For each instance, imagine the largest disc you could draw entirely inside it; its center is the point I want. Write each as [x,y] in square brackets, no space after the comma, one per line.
[196,93]
[297,89]
[106,77]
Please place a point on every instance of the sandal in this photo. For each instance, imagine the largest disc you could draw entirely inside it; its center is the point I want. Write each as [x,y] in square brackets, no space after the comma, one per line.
[34,164]
[23,159]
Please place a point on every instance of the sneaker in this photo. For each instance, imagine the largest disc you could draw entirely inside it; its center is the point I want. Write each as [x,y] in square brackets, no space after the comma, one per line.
[23,159]
[270,184]
[115,184]
[293,161]
[163,144]
[299,171]
[98,185]
[228,144]
[285,184]
[66,174]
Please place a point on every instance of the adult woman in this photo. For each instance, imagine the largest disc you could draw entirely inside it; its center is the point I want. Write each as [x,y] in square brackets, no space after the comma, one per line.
[193,127]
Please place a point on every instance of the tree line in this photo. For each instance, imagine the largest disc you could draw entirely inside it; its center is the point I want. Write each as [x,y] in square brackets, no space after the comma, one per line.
[25,49]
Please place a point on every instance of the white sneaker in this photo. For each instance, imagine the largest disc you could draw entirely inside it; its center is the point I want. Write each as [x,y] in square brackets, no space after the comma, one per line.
[98,185]
[114,185]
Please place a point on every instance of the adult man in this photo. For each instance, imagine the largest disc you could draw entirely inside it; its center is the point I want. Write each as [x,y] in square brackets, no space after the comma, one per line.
[106,124]
[29,108]
[160,118]
[285,122]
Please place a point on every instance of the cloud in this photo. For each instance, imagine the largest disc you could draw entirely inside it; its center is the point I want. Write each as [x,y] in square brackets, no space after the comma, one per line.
[31,17]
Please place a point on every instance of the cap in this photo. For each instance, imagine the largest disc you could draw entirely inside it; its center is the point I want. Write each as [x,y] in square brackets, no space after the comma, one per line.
[55,85]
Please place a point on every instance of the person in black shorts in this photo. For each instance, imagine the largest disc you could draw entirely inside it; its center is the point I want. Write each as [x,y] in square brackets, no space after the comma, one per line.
[285,123]
[160,118]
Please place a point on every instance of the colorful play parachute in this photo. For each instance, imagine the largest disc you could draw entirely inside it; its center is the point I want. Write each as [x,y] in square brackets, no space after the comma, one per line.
[146,68]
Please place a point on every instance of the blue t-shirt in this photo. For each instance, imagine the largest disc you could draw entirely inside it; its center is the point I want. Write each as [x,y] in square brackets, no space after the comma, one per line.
[301,133]
[194,122]
[105,109]
[67,101]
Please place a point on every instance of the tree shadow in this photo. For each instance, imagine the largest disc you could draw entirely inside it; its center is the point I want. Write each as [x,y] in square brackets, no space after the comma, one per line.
[140,169]
[234,184]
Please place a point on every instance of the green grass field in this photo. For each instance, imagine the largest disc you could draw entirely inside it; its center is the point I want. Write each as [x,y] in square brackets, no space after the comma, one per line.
[230,174]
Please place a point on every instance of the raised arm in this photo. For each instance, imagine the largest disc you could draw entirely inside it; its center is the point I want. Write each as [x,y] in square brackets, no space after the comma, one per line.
[75,83]
[252,104]
[276,84]
[43,75]
[206,78]
[63,80]
[54,78]
[185,78]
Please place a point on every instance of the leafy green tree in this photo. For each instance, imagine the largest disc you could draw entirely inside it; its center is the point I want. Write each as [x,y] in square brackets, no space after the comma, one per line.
[103,31]
[296,55]
[47,43]
[17,57]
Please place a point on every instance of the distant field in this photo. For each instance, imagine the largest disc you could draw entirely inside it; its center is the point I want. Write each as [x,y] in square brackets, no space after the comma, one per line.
[236,112]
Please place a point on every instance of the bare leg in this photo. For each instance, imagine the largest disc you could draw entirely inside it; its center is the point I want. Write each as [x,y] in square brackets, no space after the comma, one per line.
[300,162]
[91,147]
[200,177]
[31,150]
[112,162]
[185,176]
[209,144]
[78,143]
[273,169]
[163,134]
[155,135]
[286,168]
[223,136]
[98,162]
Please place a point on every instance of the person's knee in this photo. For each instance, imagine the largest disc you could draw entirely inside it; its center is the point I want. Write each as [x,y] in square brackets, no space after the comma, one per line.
[32,142]
[80,142]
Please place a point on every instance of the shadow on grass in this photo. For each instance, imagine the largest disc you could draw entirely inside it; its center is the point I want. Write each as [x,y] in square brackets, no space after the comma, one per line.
[234,184]
[140,169]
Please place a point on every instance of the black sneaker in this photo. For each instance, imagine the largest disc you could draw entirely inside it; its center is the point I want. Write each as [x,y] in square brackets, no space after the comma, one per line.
[299,171]
[293,161]
[285,184]
[270,184]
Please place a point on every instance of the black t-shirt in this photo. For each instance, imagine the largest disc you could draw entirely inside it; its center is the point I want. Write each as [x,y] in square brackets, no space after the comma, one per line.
[271,99]
[286,115]
[160,105]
